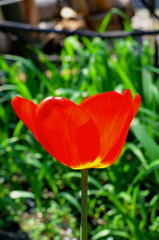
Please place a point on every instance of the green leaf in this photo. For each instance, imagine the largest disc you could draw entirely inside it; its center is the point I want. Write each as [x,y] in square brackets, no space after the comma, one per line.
[107,232]
[71,199]
[146,140]
[108,17]
[91,179]
[143,173]
[136,150]
[21,194]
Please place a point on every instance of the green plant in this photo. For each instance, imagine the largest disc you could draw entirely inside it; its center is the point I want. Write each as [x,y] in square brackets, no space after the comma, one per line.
[123,199]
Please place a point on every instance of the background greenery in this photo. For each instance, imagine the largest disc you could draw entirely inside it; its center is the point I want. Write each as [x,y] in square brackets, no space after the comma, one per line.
[39,195]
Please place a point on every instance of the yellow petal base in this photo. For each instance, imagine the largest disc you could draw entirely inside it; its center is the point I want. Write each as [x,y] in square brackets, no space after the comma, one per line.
[95,164]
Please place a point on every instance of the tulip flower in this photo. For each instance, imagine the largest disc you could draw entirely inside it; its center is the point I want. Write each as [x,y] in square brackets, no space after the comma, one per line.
[89,135]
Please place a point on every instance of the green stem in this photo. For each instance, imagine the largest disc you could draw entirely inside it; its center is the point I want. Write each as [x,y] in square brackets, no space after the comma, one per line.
[83,228]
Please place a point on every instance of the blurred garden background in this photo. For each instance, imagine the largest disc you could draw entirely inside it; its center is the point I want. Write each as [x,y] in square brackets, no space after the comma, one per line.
[39,197]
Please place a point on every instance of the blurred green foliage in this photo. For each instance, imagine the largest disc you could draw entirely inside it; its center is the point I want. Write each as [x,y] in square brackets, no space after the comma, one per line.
[42,195]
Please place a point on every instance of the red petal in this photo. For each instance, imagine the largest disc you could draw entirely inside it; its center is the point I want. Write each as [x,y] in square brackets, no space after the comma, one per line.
[25,110]
[67,132]
[117,148]
[136,103]
[112,113]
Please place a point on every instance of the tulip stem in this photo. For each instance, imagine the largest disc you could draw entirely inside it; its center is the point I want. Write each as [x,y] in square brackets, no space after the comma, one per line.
[83,227]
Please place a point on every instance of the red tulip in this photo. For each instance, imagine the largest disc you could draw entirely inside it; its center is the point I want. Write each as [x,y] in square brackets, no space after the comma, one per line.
[89,135]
